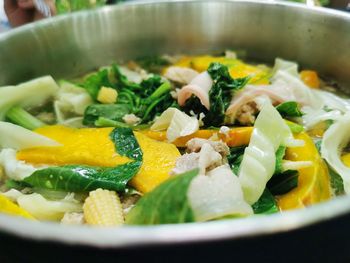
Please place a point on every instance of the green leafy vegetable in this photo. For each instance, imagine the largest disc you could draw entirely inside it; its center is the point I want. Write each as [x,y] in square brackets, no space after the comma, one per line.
[294,127]
[336,182]
[78,178]
[284,182]
[220,95]
[126,143]
[235,158]
[266,204]
[281,151]
[167,204]
[114,112]
[96,81]
[289,109]
[146,99]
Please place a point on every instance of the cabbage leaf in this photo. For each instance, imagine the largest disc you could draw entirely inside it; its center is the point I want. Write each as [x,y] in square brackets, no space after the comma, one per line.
[259,159]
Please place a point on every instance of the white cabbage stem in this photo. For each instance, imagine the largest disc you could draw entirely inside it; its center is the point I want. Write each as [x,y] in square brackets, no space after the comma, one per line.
[177,124]
[334,140]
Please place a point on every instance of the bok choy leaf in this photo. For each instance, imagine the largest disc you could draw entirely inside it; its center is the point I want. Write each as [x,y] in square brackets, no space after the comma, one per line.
[78,178]
[166,204]
[266,204]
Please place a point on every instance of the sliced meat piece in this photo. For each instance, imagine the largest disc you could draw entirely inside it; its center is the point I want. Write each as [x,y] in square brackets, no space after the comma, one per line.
[199,87]
[196,144]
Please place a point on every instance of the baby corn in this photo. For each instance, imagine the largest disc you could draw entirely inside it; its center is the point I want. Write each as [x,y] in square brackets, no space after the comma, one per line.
[103,208]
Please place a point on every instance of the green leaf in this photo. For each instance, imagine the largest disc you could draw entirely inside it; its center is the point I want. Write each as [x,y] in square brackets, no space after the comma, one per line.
[266,204]
[284,182]
[289,109]
[336,182]
[126,143]
[166,204]
[281,151]
[94,82]
[294,127]
[113,112]
[122,81]
[78,178]
[235,158]
[220,95]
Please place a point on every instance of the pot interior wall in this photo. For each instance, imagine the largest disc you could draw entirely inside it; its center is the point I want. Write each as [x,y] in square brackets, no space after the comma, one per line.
[72,45]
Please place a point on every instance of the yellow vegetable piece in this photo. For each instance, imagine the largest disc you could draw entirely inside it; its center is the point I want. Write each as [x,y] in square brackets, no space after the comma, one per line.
[159,159]
[310,78]
[235,137]
[103,208]
[319,129]
[107,95]
[346,159]
[313,182]
[90,146]
[10,208]
[237,68]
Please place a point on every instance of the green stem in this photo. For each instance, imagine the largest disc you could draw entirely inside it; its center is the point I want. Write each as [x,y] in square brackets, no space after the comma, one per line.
[165,87]
[150,107]
[104,122]
[23,118]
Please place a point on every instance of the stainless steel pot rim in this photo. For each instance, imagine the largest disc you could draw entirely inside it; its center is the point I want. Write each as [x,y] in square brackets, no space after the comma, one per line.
[107,9]
[131,236]
[169,234]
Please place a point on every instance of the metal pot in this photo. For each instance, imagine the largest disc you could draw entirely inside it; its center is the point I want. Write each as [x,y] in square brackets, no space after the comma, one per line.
[70,45]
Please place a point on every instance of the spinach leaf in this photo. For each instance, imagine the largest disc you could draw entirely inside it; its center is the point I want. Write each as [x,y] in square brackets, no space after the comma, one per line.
[78,178]
[284,182]
[281,151]
[220,95]
[166,204]
[122,81]
[235,158]
[146,99]
[113,112]
[289,109]
[266,204]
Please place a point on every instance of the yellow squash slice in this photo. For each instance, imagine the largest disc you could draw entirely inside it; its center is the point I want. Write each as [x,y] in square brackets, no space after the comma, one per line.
[237,68]
[10,208]
[313,182]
